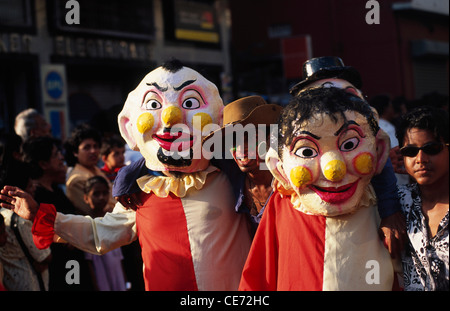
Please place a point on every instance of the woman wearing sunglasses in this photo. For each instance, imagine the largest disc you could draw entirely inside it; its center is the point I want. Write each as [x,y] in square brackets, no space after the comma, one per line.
[424,137]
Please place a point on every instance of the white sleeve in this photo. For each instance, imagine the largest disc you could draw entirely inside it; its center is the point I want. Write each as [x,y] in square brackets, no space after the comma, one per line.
[98,235]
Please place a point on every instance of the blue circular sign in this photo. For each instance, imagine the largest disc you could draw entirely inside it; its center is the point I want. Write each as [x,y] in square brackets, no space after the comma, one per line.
[54,84]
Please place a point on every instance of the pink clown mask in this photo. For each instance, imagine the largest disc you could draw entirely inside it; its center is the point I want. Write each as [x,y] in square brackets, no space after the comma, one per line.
[338,83]
[164,116]
[330,164]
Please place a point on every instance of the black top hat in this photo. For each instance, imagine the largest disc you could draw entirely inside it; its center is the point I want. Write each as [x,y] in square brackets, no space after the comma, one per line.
[324,68]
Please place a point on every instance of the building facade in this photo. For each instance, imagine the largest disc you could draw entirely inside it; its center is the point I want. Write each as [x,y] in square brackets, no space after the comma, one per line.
[400,47]
[76,61]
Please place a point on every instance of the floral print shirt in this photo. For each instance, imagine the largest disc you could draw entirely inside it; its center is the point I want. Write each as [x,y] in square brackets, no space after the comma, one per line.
[426,259]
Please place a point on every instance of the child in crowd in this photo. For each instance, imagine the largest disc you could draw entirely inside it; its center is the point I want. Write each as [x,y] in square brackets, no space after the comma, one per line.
[82,153]
[113,155]
[107,270]
[424,139]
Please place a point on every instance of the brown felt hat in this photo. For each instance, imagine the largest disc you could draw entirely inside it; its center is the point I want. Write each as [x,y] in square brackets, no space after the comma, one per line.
[251,109]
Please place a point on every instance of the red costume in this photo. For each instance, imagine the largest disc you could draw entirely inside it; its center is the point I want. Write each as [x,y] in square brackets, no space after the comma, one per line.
[190,235]
[296,251]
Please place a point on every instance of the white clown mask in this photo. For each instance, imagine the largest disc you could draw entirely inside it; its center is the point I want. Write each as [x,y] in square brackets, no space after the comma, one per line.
[164,116]
[330,158]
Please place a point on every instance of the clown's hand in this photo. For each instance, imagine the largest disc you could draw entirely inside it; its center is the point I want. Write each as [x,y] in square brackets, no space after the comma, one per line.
[393,232]
[276,185]
[129,201]
[397,160]
[19,201]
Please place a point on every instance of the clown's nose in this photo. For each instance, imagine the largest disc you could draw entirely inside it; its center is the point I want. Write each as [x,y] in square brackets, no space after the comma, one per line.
[171,115]
[333,168]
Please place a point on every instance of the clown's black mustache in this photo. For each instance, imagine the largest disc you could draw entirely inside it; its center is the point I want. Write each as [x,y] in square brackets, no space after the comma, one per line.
[175,159]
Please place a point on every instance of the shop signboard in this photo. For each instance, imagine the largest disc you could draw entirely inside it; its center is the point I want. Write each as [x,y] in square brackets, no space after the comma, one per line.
[196,21]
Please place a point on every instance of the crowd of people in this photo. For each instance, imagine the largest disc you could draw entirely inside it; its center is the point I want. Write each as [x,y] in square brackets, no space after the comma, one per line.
[78,177]
[67,175]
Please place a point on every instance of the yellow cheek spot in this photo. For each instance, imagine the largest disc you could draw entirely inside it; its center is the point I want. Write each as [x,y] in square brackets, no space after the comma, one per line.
[171,116]
[204,118]
[145,122]
[300,176]
[364,163]
[335,170]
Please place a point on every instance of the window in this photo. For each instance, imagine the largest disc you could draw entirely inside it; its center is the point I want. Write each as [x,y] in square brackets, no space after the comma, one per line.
[430,75]
[17,15]
[117,18]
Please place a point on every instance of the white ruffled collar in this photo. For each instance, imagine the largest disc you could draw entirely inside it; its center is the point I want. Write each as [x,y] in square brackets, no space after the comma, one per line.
[179,185]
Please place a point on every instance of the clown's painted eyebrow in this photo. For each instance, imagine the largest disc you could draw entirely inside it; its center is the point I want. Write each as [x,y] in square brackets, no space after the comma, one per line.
[184,84]
[310,134]
[348,89]
[351,90]
[160,88]
[344,126]
[300,138]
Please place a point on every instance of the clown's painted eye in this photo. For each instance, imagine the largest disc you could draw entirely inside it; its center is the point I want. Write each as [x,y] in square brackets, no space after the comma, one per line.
[191,103]
[306,152]
[152,104]
[349,144]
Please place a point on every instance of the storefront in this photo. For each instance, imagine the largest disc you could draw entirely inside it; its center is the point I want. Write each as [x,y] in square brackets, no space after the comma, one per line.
[19,64]
[78,72]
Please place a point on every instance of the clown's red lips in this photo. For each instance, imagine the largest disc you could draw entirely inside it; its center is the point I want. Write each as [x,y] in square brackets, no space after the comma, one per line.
[177,142]
[334,195]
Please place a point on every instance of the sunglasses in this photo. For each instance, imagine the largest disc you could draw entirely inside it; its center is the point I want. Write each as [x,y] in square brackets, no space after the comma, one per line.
[432,148]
